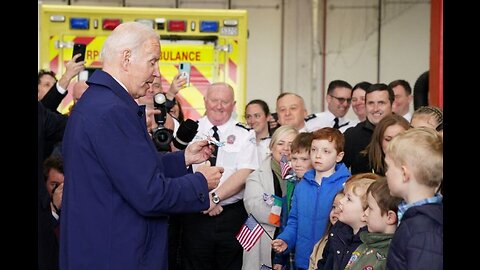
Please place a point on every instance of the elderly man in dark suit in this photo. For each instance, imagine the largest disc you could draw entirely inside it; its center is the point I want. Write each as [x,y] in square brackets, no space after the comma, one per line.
[118,189]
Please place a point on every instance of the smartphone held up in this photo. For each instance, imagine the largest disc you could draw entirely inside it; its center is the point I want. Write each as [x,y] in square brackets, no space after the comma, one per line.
[184,69]
[79,48]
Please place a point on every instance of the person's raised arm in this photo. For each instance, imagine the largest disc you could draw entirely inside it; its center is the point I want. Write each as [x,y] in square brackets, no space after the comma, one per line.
[72,70]
[177,84]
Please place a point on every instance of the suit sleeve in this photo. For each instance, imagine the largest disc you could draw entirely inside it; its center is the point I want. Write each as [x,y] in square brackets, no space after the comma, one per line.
[177,157]
[54,124]
[152,185]
[53,98]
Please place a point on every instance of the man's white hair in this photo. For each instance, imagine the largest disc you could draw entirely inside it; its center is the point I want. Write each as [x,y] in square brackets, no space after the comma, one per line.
[127,35]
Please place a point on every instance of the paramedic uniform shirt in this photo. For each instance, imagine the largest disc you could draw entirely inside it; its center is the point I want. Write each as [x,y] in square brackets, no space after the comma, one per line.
[325,119]
[263,149]
[239,151]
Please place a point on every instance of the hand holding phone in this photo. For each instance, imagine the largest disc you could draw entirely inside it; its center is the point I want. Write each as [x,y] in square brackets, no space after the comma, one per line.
[184,69]
[79,48]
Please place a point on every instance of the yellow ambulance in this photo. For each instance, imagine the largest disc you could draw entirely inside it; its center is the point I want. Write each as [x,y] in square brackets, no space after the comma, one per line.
[213,41]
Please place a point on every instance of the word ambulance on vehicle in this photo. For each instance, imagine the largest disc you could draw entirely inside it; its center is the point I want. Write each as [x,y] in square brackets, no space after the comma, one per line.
[213,41]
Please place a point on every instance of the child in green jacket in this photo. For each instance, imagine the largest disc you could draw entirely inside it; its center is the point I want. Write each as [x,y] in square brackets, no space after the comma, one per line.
[381,218]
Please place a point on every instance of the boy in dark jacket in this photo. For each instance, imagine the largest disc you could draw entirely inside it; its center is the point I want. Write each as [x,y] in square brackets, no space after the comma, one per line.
[344,237]
[414,161]
[381,217]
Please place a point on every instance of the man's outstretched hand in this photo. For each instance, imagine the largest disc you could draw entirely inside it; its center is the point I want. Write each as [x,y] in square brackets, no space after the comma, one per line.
[198,152]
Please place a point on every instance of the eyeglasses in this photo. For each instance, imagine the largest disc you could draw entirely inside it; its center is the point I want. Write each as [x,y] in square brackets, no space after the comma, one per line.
[342,100]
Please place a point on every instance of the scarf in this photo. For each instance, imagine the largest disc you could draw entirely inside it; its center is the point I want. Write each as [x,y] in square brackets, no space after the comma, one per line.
[287,186]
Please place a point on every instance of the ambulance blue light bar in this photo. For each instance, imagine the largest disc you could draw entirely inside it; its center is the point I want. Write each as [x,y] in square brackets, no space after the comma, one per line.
[79,23]
[209,26]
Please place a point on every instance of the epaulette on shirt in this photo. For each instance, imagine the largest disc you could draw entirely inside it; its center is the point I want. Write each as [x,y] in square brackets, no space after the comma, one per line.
[243,126]
[310,117]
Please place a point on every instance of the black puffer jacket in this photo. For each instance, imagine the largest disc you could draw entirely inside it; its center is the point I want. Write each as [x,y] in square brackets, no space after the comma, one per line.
[340,245]
[418,241]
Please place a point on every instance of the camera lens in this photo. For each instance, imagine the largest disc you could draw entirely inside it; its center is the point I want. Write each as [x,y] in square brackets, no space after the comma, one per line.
[162,137]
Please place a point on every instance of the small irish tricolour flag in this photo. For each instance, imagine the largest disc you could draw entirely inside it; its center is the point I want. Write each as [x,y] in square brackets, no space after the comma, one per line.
[275,211]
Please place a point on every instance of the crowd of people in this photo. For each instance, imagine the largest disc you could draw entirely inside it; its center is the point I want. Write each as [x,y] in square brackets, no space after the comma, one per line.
[329,192]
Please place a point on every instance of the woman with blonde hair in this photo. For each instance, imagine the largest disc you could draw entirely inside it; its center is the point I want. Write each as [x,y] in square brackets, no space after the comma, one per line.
[261,184]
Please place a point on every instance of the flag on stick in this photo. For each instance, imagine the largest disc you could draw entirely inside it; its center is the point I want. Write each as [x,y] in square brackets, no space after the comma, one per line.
[285,167]
[249,233]
[275,211]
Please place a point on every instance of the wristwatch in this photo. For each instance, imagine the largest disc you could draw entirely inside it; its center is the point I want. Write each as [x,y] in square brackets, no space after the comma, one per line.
[215,198]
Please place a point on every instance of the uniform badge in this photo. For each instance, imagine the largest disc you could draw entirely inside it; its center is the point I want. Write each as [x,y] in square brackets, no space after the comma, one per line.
[380,256]
[310,117]
[231,139]
[268,198]
[368,267]
[352,259]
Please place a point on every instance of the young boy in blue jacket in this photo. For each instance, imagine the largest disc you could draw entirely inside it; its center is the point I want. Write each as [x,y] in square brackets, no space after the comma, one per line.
[313,197]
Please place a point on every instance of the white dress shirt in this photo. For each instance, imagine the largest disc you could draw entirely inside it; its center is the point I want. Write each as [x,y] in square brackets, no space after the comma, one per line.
[325,119]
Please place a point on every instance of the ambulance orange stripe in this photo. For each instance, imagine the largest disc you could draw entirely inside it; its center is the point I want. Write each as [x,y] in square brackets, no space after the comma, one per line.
[83,40]
[200,83]
[165,83]
[198,80]
[187,108]
[188,113]
[232,70]
[54,64]
[96,64]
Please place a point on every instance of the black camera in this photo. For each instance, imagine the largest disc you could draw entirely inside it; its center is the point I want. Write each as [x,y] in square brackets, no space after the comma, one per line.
[162,136]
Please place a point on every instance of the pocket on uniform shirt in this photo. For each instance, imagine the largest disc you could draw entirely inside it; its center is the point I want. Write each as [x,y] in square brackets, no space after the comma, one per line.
[229,155]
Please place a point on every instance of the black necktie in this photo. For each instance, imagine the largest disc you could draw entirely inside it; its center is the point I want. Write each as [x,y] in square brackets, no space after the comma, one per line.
[213,158]
[336,123]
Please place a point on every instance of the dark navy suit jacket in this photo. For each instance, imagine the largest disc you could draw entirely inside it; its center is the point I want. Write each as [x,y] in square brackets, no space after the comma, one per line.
[118,189]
